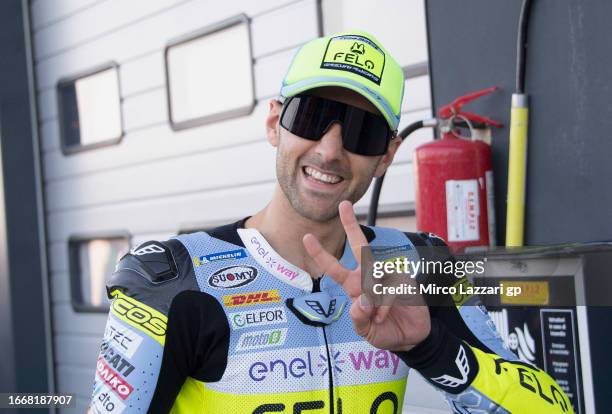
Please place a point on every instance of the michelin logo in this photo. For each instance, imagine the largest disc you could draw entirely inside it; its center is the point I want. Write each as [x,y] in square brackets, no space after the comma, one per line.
[227,255]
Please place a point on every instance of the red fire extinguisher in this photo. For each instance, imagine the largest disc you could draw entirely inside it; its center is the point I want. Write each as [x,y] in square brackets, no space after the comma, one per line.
[454,180]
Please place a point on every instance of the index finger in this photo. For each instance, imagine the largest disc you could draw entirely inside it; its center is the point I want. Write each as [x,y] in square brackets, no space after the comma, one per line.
[328,263]
[355,236]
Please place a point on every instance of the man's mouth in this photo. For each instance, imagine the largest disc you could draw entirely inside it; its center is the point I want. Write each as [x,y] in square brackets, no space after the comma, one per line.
[321,176]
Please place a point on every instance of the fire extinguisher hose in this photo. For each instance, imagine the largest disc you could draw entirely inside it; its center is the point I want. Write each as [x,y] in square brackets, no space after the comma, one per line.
[373,210]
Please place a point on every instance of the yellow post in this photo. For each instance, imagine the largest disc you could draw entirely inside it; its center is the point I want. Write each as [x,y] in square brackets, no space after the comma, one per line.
[517,171]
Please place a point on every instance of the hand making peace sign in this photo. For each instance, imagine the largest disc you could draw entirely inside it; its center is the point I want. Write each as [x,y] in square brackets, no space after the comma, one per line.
[396,328]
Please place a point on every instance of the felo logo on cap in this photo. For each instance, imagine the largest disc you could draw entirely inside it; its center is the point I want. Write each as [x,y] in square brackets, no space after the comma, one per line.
[356,54]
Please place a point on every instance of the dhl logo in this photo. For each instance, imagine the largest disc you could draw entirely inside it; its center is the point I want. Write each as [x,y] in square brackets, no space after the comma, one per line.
[252,298]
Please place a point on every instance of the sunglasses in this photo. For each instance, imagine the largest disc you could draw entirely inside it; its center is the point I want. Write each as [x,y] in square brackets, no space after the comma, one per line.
[309,117]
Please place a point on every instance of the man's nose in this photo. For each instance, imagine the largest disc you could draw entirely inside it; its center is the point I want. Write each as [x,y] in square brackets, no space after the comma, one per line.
[330,145]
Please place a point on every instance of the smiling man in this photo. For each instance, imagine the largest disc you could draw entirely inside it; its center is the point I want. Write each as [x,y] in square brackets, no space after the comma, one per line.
[264,315]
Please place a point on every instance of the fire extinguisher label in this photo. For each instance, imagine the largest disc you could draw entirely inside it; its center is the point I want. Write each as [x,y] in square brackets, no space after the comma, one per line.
[462,210]
[491,208]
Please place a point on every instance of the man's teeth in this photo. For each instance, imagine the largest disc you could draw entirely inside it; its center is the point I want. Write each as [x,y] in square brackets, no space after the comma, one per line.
[326,178]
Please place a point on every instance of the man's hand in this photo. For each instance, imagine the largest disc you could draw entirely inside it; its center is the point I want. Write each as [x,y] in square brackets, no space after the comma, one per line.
[397,328]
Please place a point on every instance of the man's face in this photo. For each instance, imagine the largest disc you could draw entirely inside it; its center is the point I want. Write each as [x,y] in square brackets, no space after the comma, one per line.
[316,176]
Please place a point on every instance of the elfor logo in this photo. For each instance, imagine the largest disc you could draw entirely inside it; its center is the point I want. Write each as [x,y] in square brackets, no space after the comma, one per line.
[259,317]
[232,277]
[261,339]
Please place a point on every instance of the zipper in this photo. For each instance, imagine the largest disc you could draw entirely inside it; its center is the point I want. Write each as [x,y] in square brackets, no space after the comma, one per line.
[316,287]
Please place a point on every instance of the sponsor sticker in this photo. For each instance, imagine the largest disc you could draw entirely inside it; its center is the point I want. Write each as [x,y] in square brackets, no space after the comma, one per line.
[112,379]
[122,337]
[232,277]
[227,255]
[270,260]
[261,339]
[351,360]
[115,359]
[139,315]
[257,317]
[106,401]
[356,54]
[252,298]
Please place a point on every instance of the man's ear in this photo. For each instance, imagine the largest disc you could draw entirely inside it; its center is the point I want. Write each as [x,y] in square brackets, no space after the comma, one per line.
[272,122]
[387,159]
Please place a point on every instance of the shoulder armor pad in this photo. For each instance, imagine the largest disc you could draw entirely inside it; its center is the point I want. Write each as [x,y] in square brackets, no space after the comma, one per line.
[153,260]
[153,273]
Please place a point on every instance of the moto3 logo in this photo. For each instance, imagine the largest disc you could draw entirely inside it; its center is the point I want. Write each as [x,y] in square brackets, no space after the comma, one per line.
[232,277]
[261,339]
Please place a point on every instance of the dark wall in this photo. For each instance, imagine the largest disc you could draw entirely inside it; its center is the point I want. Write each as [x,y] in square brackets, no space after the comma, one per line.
[568,78]
[27,298]
[472,45]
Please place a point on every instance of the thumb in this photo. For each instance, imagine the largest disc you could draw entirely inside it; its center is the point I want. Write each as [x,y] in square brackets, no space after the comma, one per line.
[361,313]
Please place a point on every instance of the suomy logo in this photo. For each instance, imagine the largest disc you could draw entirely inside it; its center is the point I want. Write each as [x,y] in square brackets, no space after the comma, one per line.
[232,277]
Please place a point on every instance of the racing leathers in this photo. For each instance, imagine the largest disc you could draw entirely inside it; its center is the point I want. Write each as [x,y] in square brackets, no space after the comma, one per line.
[218,322]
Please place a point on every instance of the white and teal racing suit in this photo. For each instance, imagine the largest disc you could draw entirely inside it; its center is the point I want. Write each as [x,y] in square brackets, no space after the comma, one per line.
[218,322]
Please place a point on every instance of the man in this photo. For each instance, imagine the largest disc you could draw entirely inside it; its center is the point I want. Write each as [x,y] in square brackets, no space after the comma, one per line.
[265,316]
